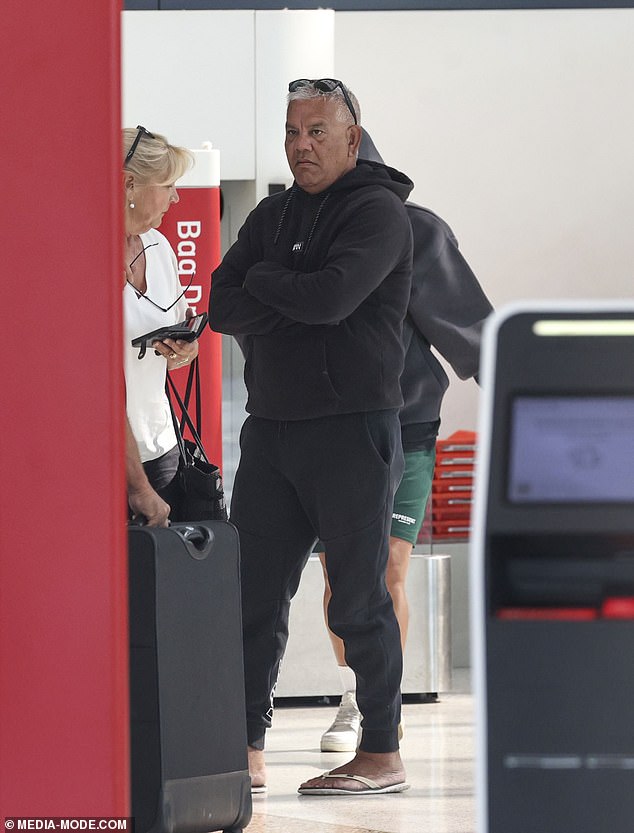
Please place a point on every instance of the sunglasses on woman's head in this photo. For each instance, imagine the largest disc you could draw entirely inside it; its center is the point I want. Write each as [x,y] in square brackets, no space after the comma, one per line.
[135,143]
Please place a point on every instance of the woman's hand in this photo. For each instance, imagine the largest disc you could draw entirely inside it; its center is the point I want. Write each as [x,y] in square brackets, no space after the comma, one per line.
[177,352]
[146,503]
[142,498]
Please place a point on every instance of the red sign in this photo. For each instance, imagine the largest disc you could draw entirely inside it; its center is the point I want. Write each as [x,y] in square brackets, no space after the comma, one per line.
[193,228]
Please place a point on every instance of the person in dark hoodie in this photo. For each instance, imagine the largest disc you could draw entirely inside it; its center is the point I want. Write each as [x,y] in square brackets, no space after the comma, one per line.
[315,289]
[447,310]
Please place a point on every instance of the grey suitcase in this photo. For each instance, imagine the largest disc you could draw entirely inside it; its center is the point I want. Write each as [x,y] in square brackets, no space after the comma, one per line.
[189,770]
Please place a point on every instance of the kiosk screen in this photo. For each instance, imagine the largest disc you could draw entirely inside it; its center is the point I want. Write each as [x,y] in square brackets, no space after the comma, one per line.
[571,449]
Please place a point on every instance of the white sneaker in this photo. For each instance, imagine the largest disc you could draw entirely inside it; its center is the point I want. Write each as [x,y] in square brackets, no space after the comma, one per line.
[343,735]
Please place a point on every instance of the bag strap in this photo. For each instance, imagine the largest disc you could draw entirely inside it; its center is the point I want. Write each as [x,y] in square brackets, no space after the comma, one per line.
[193,375]
[177,431]
[171,390]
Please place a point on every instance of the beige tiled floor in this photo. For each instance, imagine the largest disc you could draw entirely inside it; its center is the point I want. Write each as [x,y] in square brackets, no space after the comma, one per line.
[437,748]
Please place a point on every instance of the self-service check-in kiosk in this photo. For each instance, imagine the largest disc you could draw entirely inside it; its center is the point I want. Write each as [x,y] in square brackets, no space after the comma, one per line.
[553,572]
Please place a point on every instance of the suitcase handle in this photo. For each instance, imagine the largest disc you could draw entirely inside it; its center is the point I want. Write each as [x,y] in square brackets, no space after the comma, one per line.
[197,539]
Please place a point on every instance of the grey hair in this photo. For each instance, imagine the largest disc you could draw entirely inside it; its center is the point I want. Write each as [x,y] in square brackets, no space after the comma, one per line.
[343,113]
[155,161]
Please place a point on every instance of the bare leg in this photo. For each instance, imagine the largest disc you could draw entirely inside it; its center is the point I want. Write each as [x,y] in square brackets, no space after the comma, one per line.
[337,644]
[257,767]
[397,567]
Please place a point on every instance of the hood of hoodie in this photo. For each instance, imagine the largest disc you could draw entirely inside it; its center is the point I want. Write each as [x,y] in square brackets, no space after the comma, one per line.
[373,173]
[369,154]
[367,148]
[370,158]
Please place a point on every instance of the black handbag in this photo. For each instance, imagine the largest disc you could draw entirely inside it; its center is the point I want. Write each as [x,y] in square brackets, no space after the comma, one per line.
[200,494]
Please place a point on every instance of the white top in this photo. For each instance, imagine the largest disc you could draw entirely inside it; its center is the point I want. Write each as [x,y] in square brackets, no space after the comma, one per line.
[146,403]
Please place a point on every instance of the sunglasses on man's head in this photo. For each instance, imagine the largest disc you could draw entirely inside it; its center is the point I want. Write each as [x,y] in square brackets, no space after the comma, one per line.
[324,85]
[135,143]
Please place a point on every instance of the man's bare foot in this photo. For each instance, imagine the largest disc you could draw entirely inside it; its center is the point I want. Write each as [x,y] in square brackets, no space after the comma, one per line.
[385,769]
[257,768]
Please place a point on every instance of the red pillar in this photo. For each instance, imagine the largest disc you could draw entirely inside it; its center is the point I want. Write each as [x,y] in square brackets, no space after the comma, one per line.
[63,605]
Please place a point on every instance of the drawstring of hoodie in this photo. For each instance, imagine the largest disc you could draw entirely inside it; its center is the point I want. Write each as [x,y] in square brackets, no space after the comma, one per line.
[283,215]
[312,228]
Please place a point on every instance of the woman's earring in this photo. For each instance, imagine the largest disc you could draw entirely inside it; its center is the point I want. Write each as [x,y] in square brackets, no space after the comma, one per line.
[131,205]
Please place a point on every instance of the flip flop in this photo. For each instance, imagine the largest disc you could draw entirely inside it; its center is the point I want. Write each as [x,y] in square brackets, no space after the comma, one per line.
[372,788]
[262,788]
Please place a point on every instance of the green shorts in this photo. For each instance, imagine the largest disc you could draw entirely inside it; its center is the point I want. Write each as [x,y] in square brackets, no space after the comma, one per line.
[410,500]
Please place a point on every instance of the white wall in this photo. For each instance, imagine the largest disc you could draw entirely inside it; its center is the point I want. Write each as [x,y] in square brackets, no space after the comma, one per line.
[517,127]
[191,76]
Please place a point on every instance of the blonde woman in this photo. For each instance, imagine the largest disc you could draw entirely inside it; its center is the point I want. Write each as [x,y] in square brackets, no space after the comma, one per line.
[152,297]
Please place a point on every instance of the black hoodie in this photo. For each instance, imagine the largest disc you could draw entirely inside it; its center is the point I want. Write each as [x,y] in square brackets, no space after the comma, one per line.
[315,289]
[447,310]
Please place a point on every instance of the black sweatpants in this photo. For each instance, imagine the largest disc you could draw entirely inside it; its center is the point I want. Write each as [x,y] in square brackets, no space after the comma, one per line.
[332,478]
